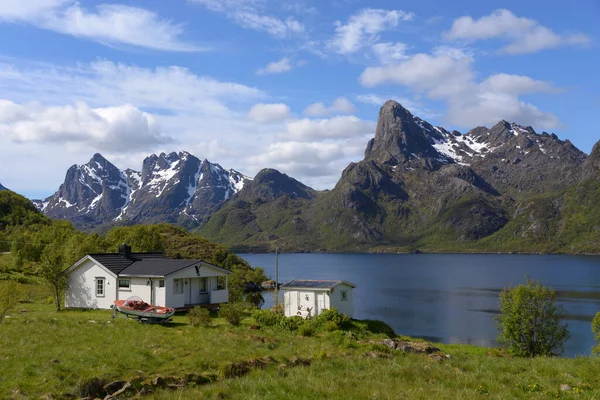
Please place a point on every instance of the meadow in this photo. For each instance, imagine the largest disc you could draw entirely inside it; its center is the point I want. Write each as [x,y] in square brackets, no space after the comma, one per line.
[54,355]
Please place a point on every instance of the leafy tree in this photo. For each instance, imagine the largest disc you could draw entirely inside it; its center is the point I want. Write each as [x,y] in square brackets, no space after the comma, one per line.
[8,297]
[51,270]
[530,321]
[596,330]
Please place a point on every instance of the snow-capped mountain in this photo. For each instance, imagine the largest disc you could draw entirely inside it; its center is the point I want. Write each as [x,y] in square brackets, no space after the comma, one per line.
[175,187]
[2,187]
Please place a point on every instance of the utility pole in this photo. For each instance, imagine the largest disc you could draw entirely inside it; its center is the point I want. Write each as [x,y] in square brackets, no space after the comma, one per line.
[276,276]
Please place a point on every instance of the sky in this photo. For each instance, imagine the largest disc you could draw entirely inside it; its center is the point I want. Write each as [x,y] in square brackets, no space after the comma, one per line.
[292,85]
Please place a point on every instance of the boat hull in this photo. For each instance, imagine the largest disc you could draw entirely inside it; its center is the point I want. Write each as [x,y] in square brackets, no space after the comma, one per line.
[145,311]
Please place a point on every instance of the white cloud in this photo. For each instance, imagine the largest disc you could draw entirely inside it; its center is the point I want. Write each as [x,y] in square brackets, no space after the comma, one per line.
[389,52]
[340,127]
[525,35]
[276,67]
[363,28]
[108,24]
[115,129]
[442,77]
[269,112]
[251,14]
[341,105]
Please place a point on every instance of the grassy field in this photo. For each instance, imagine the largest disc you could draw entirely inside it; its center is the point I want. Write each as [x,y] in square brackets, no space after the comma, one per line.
[43,352]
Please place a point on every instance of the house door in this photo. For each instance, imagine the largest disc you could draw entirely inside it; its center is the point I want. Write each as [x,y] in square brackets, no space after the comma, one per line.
[320,303]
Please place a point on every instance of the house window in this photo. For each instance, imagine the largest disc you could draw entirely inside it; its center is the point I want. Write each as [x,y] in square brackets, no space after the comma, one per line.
[124,284]
[177,286]
[220,283]
[344,295]
[161,283]
[99,287]
[203,285]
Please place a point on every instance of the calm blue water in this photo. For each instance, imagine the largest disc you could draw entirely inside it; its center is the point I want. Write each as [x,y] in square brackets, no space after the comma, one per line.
[449,298]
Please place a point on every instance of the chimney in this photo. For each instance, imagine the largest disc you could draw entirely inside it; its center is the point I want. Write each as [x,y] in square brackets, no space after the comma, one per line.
[125,251]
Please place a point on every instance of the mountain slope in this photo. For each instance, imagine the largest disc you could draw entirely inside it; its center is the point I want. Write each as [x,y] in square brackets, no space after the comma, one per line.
[175,187]
[418,186]
[2,187]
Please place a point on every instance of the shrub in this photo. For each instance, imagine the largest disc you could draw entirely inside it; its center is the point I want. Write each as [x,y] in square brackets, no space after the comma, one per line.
[8,297]
[330,326]
[267,317]
[291,323]
[199,316]
[333,316]
[306,329]
[529,321]
[596,330]
[233,313]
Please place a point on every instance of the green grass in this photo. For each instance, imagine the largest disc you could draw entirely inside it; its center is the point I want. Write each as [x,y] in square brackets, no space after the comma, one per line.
[45,352]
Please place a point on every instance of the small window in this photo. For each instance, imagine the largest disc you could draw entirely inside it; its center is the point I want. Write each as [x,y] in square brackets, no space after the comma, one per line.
[161,283]
[177,286]
[203,285]
[344,295]
[99,287]
[124,283]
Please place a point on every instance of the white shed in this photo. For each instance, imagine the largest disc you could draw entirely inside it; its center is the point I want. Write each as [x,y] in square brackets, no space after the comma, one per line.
[97,280]
[309,298]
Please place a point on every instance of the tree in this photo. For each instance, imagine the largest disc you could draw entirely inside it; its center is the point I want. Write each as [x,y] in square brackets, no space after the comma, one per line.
[51,270]
[596,330]
[530,321]
[8,297]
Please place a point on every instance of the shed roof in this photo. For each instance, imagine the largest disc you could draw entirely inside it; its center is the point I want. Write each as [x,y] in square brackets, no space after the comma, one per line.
[314,284]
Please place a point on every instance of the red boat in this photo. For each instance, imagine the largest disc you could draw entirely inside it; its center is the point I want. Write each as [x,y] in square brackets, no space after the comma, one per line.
[144,312]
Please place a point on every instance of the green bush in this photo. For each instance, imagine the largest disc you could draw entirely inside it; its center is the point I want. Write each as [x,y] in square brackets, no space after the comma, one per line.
[291,323]
[530,321]
[333,316]
[306,329]
[199,316]
[330,326]
[596,330]
[233,313]
[267,317]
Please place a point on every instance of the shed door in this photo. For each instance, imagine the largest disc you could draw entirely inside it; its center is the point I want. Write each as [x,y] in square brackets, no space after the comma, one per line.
[320,303]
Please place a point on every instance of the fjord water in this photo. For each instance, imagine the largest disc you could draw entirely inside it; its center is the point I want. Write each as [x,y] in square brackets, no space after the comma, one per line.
[449,298]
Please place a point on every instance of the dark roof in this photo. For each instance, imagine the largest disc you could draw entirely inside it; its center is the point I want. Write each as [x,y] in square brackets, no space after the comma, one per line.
[157,267]
[314,284]
[116,262]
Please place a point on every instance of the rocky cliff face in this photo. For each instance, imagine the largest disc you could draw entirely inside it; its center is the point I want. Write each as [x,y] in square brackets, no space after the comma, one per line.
[175,187]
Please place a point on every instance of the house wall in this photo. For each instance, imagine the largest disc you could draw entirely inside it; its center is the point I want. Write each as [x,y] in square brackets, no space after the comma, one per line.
[137,287]
[81,289]
[190,279]
[346,307]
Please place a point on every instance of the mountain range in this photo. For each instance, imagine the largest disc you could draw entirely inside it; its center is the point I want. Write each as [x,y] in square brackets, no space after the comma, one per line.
[419,186]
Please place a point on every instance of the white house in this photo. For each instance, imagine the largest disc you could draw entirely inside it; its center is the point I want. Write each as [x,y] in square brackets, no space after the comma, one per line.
[309,298]
[97,280]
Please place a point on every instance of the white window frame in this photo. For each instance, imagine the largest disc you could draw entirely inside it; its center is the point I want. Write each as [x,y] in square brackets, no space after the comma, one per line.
[124,288]
[205,280]
[177,286]
[100,284]
[344,295]
[161,283]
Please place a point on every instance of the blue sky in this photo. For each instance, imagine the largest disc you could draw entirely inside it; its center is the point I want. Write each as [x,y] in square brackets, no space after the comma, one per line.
[293,85]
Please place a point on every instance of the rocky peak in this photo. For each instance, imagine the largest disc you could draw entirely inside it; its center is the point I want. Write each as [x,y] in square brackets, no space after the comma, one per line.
[270,184]
[591,167]
[2,187]
[399,137]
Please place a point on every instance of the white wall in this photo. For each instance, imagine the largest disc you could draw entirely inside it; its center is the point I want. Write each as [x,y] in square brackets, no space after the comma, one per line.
[347,306]
[137,287]
[81,289]
[319,300]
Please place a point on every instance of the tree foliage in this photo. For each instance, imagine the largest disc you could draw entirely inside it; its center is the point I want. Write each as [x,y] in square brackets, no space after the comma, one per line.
[530,321]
